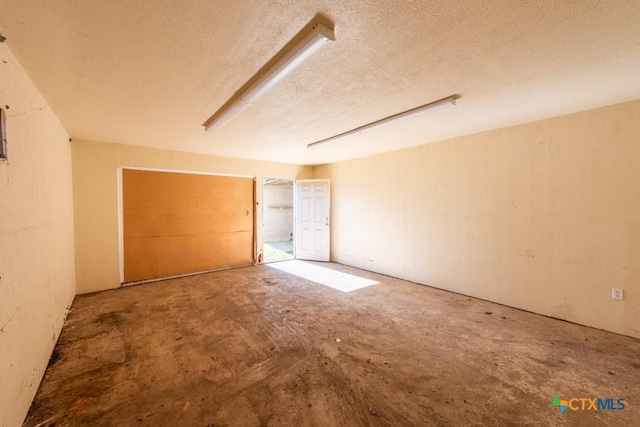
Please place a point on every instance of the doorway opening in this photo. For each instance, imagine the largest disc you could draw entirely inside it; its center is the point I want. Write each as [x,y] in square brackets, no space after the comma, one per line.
[277,227]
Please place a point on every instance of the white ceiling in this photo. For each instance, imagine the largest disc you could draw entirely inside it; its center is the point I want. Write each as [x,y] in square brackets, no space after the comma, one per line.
[150,73]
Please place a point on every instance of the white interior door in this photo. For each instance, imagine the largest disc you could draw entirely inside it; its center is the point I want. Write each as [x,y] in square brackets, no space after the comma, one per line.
[312,220]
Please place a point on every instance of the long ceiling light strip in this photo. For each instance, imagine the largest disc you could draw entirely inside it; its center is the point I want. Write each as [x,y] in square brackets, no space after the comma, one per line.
[309,44]
[437,105]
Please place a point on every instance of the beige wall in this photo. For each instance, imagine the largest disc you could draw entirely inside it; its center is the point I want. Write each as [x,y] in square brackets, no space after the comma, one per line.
[543,216]
[95,189]
[37,282]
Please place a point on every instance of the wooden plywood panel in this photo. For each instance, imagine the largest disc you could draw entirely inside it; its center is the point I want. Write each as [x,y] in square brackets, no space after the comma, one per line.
[190,203]
[177,223]
[146,258]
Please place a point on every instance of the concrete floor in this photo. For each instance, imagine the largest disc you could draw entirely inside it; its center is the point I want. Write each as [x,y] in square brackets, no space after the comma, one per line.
[258,346]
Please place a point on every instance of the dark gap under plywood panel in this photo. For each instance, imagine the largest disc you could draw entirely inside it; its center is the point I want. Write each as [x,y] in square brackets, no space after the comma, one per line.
[179,223]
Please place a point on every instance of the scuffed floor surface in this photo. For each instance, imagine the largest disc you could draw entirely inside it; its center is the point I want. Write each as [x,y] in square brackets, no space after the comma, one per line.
[258,346]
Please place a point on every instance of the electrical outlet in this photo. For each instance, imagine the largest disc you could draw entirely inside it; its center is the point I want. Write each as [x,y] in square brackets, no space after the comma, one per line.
[616,293]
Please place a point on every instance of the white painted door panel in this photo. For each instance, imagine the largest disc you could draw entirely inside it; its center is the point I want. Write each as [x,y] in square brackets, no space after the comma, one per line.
[312,220]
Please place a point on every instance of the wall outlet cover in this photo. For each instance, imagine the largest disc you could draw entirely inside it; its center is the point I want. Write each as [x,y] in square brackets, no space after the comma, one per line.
[617,294]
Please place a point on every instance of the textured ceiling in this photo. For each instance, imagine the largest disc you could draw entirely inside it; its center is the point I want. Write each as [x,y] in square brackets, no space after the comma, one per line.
[151,72]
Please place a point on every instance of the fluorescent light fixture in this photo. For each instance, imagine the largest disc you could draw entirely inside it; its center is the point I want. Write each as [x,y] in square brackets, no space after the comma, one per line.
[309,44]
[437,105]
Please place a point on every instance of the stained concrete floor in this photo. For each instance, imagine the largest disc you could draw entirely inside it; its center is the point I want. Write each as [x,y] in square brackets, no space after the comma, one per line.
[258,346]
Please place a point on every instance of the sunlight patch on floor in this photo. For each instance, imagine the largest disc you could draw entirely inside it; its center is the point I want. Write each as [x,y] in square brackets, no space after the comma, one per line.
[325,276]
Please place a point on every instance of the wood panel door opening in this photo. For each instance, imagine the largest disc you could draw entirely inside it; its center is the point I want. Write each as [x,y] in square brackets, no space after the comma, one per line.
[277,219]
[176,223]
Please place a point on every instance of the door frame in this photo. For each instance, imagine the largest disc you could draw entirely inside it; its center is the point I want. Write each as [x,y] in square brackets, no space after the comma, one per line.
[263,210]
[120,192]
